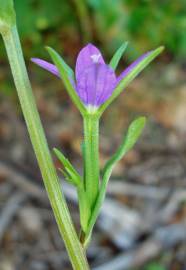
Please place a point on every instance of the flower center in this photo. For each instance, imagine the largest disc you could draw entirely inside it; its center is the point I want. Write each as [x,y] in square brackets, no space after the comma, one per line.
[92,109]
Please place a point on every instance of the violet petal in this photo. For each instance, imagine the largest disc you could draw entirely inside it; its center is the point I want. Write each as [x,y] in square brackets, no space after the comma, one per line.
[131,67]
[46,65]
[96,84]
[88,56]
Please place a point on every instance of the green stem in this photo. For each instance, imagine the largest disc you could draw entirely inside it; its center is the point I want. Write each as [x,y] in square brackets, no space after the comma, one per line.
[40,146]
[91,152]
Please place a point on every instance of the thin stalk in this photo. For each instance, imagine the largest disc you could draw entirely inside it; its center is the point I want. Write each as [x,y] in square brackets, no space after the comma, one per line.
[37,136]
[91,158]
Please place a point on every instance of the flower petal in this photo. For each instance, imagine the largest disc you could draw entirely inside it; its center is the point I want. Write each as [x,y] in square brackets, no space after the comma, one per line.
[88,56]
[46,65]
[132,66]
[96,84]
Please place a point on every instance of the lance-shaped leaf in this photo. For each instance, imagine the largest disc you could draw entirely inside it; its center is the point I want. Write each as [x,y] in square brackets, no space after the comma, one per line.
[131,74]
[64,72]
[7,15]
[117,56]
[70,172]
[133,133]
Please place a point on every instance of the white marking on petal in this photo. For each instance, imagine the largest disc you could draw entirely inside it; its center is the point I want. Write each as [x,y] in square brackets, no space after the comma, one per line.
[95,57]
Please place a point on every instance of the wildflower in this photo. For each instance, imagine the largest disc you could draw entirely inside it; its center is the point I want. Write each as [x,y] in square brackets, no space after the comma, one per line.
[94,80]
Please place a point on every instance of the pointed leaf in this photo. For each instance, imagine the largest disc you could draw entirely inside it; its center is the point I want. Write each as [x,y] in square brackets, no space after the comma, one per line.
[130,76]
[117,56]
[70,170]
[64,72]
[133,133]
[67,176]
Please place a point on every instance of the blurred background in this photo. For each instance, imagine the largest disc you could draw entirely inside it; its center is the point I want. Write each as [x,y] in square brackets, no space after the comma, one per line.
[143,221]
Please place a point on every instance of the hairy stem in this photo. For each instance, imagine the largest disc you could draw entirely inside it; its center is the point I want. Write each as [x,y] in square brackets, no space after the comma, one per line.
[37,136]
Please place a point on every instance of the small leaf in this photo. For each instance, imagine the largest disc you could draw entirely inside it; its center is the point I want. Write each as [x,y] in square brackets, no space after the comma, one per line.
[70,173]
[7,15]
[67,176]
[117,56]
[133,133]
[130,76]
[64,71]
[128,142]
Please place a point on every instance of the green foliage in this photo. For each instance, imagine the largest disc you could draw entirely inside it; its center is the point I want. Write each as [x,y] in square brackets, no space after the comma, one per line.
[144,23]
[41,21]
[154,266]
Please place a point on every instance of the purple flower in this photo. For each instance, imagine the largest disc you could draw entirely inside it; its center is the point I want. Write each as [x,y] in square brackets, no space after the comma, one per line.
[95,81]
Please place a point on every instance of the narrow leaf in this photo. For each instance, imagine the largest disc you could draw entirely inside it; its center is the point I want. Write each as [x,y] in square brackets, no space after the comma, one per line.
[70,170]
[117,56]
[133,133]
[130,76]
[64,72]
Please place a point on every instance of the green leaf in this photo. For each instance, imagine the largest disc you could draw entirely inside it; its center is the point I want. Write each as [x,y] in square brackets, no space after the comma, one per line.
[133,133]
[70,172]
[130,76]
[64,72]
[67,177]
[117,56]
[7,15]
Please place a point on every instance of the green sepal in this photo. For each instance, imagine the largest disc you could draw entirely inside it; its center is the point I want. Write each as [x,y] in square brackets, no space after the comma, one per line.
[117,56]
[65,73]
[130,76]
[70,172]
[133,133]
[7,15]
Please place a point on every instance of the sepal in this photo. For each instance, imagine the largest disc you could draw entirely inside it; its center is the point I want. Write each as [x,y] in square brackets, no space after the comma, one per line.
[131,75]
[117,56]
[66,73]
